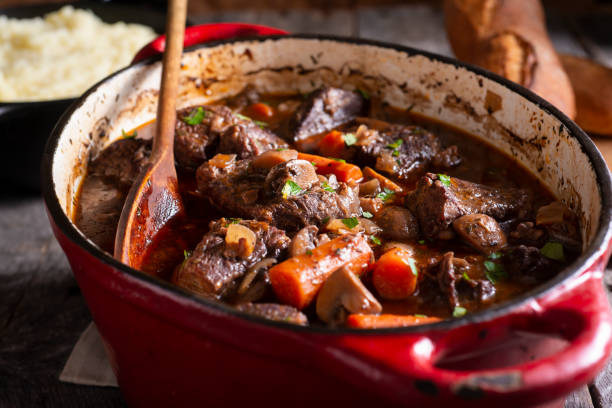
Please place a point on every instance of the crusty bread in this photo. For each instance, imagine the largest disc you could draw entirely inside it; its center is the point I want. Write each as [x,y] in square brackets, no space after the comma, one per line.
[510,39]
[592,85]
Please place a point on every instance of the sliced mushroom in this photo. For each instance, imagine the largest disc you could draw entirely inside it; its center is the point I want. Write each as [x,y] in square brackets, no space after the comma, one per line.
[398,223]
[256,282]
[301,172]
[369,188]
[271,158]
[480,232]
[303,241]
[343,292]
[240,239]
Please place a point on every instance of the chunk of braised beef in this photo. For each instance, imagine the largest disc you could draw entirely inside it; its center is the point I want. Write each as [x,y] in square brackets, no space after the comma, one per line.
[103,192]
[447,158]
[526,233]
[398,150]
[245,191]
[215,267]
[121,161]
[453,283]
[324,110]
[437,203]
[481,232]
[526,264]
[246,97]
[275,311]
[203,131]
[397,223]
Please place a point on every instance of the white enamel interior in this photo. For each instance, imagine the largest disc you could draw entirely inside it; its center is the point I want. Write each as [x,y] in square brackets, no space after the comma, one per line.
[436,89]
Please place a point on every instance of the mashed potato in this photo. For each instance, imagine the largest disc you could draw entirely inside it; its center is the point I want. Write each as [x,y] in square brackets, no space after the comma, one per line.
[63,54]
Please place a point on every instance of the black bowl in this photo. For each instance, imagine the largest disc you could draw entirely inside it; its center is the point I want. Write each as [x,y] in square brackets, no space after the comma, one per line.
[25,126]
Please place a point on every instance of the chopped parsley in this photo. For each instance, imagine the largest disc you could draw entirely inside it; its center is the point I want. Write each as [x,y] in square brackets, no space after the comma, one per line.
[281,149]
[386,194]
[420,316]
[291,188]
[553,250]
[395,153]
[363,93]
[350,139]
[395,144]
[366,214]
[350,222]
[444,179]
[494,271]
[257,122]
[325,220]
[413,267]
[313,164]
[233,221]
[327,187]
[187,253]
[459,311]
[466,277]
[338,160]
[375,239]
[495,255]
[421,241]
[308,252]
[195,117]
[128,135]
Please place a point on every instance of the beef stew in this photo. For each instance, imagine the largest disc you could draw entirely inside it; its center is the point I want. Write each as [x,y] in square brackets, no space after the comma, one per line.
[334,209]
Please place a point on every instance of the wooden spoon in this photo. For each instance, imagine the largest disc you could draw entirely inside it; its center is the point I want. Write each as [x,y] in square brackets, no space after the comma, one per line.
[154,199]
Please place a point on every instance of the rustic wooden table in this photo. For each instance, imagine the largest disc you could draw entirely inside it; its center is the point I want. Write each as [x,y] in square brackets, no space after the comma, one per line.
[42,312]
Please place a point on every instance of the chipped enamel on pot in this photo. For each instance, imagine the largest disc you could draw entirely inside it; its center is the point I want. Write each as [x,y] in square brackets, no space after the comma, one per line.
[397,366]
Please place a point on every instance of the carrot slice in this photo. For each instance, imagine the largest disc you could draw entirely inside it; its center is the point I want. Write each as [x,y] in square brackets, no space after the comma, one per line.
[369,173]
[297,280]
[262,110]
[370,321]
[332,144]
[395,274]
[345,172]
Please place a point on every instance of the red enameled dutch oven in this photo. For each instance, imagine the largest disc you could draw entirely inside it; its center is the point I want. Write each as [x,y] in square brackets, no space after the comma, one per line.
[172,348]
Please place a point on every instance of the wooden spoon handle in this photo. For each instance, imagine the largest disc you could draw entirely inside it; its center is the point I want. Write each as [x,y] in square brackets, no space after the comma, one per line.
[166,107]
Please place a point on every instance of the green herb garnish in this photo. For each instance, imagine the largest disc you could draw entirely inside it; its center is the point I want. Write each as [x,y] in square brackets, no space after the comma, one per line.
[466,276]
[366,214]
[386,194]
[195,117]
[327,187]
[257,122]
[421,241]
[291,188]
[395,153]
[363,93]
[494,271]
[413,267]
[308,252]
[350,222]
[325,220]
[313,164]
[281,149]
[187,253]
[128,135]
[553,250]
[395,144]
[338,160]
[444,179]
[350,139]
[495,255]
[375,239]
[421,316]
[459,311]
[233,221]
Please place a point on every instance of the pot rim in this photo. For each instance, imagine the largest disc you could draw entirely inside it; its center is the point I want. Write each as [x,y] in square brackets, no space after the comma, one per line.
[597,247]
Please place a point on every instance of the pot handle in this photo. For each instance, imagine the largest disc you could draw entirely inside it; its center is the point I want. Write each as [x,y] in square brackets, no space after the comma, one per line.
[580,315]
[205,33]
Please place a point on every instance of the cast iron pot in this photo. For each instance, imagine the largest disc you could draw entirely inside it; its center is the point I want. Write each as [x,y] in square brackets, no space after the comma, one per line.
[172,348]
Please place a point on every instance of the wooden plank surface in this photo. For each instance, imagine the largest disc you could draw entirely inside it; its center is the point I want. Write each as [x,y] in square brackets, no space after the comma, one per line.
[42,311]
